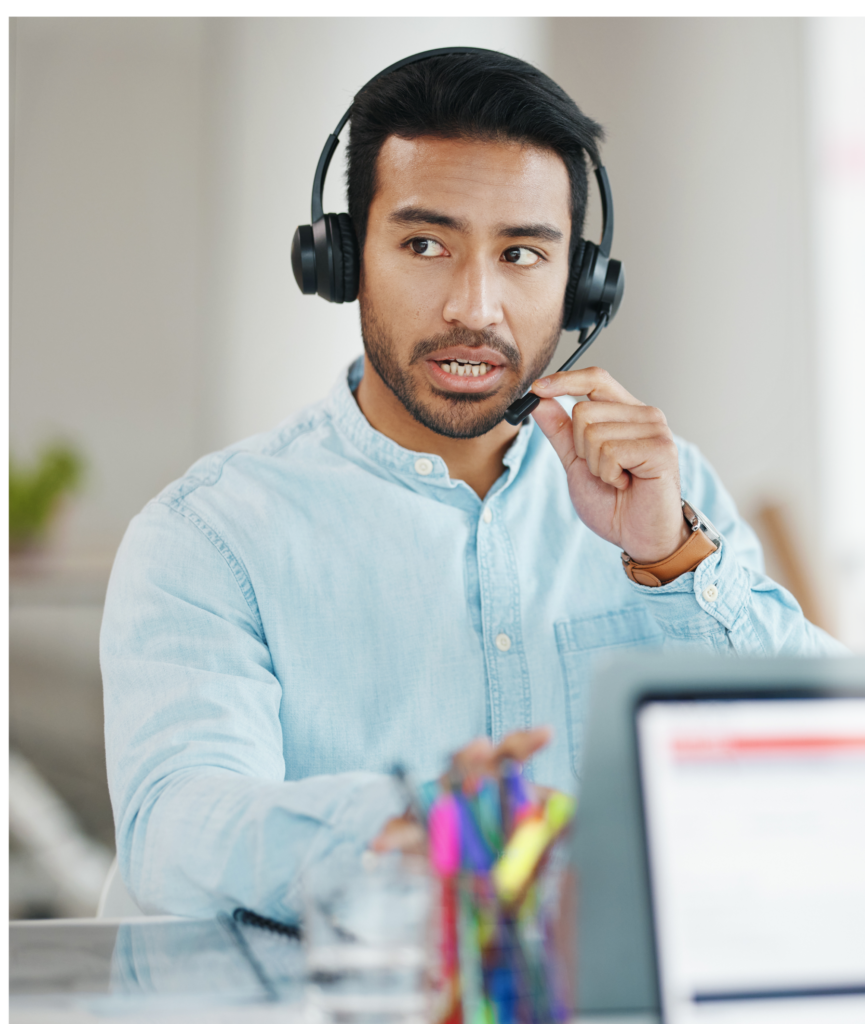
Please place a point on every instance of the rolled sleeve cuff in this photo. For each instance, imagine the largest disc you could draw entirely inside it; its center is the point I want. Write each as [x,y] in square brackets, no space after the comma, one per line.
[708,600]
[367,806]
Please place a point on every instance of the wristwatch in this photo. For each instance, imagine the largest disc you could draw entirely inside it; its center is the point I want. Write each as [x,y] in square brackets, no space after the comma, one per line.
[704,540]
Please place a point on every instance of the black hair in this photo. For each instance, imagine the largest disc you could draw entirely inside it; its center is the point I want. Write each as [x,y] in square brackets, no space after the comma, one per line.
[484,96]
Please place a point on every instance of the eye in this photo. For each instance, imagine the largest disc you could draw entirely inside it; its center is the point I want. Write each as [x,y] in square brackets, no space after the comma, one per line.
[426,247]
[520,256]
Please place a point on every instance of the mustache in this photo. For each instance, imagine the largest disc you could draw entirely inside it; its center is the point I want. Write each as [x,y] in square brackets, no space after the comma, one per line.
[471,339]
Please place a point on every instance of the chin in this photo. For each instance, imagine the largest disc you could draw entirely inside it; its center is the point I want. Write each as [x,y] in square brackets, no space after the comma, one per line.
[461,417]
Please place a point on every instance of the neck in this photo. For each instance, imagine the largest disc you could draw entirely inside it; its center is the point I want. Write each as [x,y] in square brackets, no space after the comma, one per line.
[476,460]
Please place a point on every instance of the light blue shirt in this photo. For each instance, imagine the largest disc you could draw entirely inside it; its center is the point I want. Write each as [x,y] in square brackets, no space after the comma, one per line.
[306,608]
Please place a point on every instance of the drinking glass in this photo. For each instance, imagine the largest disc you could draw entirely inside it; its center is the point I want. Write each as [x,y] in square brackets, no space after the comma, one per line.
[367,939]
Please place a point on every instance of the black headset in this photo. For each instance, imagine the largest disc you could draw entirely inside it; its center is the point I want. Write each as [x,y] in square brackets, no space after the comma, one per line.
[325,255]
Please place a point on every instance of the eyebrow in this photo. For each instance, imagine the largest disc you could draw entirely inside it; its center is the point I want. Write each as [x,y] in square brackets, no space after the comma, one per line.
[546,232]
[423,215]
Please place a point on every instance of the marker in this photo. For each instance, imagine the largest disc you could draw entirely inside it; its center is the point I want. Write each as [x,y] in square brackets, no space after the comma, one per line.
[444,835]
[528,844]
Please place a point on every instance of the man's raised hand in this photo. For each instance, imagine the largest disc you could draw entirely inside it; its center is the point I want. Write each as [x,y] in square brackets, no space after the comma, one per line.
[620,459]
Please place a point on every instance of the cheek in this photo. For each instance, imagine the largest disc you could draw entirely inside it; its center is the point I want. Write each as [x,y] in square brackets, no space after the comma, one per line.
[540,304]
[556,284]
[405,296]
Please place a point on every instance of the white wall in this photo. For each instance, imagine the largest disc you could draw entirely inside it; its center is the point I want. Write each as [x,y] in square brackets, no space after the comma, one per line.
[105,255]
[836,51]
[707,155]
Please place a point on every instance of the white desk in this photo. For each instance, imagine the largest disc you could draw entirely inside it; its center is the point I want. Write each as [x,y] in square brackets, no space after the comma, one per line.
[169,970]
[147,969]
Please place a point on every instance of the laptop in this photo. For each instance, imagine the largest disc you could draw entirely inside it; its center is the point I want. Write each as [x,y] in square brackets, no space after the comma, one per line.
[754,822]
[720,841]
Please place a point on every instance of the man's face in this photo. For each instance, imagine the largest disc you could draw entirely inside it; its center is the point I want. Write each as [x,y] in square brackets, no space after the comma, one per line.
[463,277]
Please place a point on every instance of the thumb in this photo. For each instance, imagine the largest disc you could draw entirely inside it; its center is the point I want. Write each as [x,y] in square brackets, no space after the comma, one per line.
[558,428]
[519,746]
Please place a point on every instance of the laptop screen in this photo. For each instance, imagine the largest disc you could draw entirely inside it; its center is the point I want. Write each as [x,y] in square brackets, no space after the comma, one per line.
[754,813]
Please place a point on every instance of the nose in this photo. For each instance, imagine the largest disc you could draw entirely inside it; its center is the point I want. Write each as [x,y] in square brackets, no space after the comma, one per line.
[474,299]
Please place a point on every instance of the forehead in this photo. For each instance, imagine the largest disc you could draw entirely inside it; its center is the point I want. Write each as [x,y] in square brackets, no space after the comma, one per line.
[476,180]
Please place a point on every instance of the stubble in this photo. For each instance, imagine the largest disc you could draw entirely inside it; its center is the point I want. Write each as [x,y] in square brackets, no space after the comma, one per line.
[456,415]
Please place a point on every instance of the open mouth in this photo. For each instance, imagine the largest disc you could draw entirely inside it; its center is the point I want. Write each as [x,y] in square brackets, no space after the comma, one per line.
[465,375]
[464,367]
[467,369]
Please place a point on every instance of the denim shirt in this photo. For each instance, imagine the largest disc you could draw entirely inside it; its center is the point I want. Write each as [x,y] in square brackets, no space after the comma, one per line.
[309,607]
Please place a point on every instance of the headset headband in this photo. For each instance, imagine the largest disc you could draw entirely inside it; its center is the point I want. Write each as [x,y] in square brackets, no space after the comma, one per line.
[332,142]
[333,139]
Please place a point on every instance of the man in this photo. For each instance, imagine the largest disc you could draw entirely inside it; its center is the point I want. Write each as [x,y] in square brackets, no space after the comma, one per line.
[397,570]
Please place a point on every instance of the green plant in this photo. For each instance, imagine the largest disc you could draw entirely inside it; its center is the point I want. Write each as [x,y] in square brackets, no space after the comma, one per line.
[35,492]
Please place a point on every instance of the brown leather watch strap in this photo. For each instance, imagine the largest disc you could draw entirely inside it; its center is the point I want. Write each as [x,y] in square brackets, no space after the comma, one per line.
[687,557]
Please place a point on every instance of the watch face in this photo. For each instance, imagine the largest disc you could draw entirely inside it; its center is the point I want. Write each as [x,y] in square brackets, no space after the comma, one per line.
[702,521]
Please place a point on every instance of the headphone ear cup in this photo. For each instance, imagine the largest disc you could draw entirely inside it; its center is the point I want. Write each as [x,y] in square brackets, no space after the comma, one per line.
[585,307]
[614,287]
[350,258]
[573,282]
[303,259]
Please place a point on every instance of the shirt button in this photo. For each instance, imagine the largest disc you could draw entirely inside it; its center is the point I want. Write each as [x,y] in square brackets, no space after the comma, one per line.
[710,594]
[503,642]
[423,466]
[487,516]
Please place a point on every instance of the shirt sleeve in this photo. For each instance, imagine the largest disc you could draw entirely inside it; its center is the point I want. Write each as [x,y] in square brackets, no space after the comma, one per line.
[204,817]
[728,604]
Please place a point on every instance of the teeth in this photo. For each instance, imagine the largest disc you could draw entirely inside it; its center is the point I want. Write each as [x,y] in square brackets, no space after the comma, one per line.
[466,368]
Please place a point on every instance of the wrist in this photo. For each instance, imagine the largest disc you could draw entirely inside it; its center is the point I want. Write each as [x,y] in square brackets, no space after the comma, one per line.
[701,539]
[658,552]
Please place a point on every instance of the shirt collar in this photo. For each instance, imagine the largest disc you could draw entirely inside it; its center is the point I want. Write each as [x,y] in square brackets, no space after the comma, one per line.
[351,423]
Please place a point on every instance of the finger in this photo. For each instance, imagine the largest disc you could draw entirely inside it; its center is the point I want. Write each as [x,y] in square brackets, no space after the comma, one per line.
[519,746]
[593,381]
[400,834]
[588,440]
[479,759]
[646,459]
[542,793]
[622,412]
[476,759]
[558,428]
[586,413]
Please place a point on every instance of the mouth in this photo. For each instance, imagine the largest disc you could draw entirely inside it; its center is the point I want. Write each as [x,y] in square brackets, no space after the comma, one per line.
[464,370]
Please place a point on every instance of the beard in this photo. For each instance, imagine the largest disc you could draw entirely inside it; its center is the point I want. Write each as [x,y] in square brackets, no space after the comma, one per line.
[456,415]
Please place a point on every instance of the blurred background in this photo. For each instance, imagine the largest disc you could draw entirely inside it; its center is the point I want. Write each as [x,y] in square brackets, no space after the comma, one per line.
[159,167]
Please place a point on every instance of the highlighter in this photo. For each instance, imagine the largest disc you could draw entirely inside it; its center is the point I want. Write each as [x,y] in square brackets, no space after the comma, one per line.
[528,844]
[443,824]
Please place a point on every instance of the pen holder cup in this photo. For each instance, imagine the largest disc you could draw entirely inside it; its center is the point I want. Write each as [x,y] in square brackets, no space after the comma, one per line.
[507,961]
[368,943]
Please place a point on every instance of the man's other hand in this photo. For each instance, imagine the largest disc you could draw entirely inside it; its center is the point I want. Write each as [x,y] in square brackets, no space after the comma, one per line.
[475,761]
[621,461]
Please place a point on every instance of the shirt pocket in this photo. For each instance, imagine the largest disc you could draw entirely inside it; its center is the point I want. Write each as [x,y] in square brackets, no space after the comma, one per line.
[581,642]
